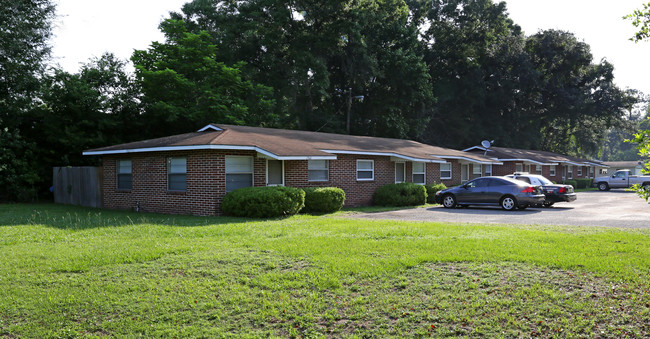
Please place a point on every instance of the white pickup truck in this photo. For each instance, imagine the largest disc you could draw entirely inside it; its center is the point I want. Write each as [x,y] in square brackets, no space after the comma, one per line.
[621,179]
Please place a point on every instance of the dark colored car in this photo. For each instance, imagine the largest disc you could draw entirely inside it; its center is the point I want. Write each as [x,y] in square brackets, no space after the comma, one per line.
[505,192]
[553,192]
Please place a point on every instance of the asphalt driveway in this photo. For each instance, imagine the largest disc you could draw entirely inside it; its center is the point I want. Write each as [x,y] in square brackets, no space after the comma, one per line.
[616,208]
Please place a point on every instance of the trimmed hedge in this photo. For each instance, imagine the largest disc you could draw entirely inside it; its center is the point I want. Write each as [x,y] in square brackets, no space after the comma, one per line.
[263,202]
[432,190]
[402,194]
[323,199]
[583,183]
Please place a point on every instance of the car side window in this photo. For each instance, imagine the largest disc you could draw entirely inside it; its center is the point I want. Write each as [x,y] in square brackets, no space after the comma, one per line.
[524,179]
[477,183]
[496,182]
[534,181]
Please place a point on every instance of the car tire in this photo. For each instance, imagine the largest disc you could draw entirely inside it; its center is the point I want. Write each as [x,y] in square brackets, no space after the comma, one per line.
[508,203]
[449,201]
[603,186]
[548,204]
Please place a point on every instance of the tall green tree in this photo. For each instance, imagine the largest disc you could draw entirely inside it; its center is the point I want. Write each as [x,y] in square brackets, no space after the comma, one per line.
[25,28]
[185,86]
[578,100]
[315,55]
[480,74]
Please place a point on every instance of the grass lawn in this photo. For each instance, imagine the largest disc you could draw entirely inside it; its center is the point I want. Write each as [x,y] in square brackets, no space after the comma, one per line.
[69,271]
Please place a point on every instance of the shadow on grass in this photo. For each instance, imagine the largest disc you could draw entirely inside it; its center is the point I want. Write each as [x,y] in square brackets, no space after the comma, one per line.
[380,209]
[79,218]
[487,210]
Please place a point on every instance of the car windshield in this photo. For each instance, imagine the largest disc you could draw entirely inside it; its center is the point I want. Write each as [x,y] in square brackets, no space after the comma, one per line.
[544,181]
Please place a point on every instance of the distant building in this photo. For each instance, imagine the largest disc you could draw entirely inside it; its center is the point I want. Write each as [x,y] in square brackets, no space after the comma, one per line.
[635,167]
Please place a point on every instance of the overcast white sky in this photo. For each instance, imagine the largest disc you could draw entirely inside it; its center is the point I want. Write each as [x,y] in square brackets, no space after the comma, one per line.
[88,28]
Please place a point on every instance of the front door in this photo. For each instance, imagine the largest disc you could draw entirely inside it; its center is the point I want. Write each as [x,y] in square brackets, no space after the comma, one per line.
[274,173]
[464,172]
[400,172]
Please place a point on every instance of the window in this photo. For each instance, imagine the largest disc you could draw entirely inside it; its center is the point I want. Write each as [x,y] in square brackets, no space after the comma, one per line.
[445,171]
[591,171]
[528,168]
[124,175]
[400,172]
[538,169]
[477,170]
[365,170]
[570,171]
[419,173]
[177,174]
[239,172]
[579,171]
[319,170]
[488,170]
[519,168]
[552,170]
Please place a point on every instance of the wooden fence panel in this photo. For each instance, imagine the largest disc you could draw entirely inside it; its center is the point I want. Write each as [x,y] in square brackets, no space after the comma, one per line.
[77,186]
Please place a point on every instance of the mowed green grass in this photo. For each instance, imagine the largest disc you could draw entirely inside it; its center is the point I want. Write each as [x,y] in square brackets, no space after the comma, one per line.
[69,272]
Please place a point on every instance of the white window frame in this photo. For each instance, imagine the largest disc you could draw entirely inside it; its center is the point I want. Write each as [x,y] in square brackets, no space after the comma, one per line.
[444,170]
[552,171]
[404,165]
[480,170]
[169,172]
[315,168]
[252,171]
[423,173]
[591,171]
[267,172]
[372,170]
[570,172]
[488,170]
[579,171]
[519,167]
[117,174]
[538,169]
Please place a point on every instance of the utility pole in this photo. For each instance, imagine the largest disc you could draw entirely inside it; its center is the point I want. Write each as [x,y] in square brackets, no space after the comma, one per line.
[347,122]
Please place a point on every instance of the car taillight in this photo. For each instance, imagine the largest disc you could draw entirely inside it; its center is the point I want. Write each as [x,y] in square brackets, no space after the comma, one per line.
[562,190]
[529,189]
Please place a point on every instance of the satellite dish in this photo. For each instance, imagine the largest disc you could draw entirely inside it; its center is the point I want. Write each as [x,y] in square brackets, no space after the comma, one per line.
[486,144]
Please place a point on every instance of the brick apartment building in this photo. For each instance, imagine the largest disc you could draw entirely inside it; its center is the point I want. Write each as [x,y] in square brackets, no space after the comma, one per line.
[555,167]
[191,173]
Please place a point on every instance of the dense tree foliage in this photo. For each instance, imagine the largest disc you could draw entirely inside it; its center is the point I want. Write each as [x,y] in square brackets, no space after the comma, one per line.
[185,87]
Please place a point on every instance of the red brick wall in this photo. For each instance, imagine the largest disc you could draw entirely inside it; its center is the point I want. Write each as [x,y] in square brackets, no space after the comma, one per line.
[343,174]
[206,180]
[206,183]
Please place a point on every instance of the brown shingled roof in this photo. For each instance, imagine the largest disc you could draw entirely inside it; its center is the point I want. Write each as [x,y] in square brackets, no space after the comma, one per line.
[291,144]
[543,157]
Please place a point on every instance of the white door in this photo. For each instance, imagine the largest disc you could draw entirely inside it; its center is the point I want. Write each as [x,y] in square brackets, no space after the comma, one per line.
[464,172]
[274,173]
[400,172]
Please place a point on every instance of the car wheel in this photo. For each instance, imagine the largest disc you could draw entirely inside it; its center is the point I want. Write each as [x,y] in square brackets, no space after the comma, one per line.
[548,204]
[508,203]
[449,201]
[603,186]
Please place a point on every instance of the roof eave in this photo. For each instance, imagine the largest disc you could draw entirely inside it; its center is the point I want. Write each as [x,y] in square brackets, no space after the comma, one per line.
[387,154]
[210,147]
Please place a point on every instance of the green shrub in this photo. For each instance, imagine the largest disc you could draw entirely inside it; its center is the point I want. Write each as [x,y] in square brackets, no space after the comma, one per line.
[402,194]
[432,190]
[263,202]
[571,182]
[583,182]
[323,199]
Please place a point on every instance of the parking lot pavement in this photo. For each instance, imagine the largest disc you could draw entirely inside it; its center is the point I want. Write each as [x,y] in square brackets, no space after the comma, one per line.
[615,208]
